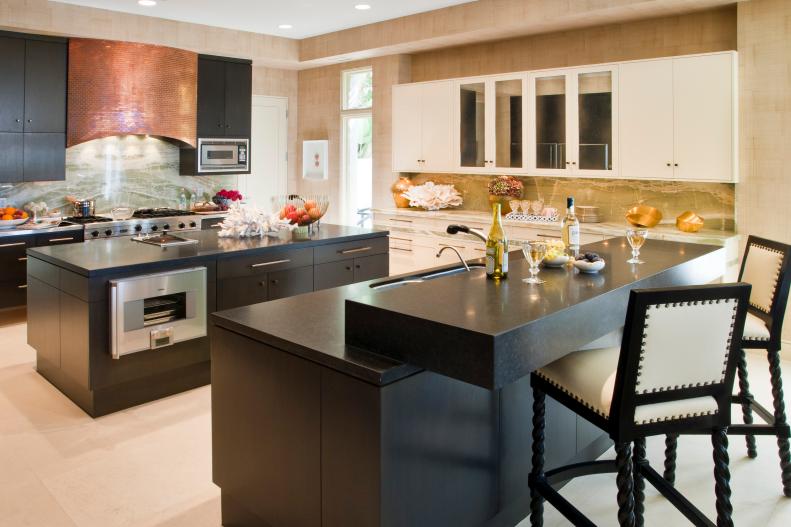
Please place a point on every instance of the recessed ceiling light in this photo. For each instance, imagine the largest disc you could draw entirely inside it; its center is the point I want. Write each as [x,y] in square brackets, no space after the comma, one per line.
[285,26]
[363,7]
[147,3]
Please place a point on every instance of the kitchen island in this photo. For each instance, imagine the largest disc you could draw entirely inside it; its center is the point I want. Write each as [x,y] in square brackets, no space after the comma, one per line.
[107,352]
[379,404]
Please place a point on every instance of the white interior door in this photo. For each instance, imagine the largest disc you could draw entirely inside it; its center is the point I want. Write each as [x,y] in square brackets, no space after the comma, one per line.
[268,152]
[646,119]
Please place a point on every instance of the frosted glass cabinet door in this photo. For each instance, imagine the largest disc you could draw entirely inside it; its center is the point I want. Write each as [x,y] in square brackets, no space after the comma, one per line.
[595,126]
[407,122]
[646,119]
[508,123]
[472,125]
[703,112]
[550,100]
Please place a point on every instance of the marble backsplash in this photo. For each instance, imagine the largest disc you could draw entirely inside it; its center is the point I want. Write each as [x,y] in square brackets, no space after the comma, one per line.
[138,171]
[715,202]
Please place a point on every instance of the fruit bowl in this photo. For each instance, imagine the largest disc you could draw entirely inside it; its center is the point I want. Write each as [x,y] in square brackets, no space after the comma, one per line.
[301,210]
[10,224]
[10,217]
[589,263]
[556,254]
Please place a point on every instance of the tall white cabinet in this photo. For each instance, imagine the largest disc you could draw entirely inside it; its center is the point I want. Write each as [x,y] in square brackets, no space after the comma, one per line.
[422,134]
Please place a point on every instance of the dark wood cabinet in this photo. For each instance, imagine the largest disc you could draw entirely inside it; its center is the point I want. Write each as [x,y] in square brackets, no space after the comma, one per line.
[45,87]
[290,282]
[211,98]
[11,156]
[242,291]
[370,267]
[224,97]
[12,85]
[33,87]
[59,238]
[44,157]
[333,274]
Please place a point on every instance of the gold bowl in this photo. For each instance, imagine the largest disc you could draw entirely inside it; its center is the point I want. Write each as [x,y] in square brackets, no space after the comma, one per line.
[643,216]
[689,222]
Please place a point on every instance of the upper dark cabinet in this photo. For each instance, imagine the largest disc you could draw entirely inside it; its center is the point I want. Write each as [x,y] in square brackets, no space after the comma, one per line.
[12,84]
[224,97]
[45,86]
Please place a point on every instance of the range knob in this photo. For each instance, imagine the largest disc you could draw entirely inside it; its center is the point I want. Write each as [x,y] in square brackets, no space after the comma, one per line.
[108,232]
[166,227]
[138,228]
[192,224]
[181,225]
[95,234]
[154,228]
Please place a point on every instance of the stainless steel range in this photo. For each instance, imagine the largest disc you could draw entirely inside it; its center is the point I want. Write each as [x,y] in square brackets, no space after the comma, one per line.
[144,221]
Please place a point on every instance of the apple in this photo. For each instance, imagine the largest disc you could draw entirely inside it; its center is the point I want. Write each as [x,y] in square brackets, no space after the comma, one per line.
[293,217]
[290,208]
[305,218]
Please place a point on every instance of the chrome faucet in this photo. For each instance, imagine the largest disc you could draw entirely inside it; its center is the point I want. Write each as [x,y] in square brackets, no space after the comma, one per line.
[455,229]
[461,259]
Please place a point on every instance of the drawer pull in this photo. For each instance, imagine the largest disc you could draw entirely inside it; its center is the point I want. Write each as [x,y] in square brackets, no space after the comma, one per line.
[400,249]
[22,286]
[357,250]
[17,244]
[402,221]
[23,259]
[548,236]
[401,239]
[56,240]
[480,250]
[264,264]
[215,225]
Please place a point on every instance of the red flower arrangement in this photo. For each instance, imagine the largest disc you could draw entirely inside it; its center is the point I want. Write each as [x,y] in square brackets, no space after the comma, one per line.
[224,198]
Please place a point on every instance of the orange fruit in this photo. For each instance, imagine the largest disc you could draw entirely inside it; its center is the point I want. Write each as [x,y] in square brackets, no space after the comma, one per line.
[6,217]
[10,210]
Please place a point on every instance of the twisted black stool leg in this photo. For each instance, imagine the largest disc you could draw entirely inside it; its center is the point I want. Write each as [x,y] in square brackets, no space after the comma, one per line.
[744,392]
[623,462]
[536,501]
[671,446]
[722,478]
[780,419]
[639,482]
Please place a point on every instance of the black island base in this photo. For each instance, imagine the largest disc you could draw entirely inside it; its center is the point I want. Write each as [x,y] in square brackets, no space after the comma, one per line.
[410,406]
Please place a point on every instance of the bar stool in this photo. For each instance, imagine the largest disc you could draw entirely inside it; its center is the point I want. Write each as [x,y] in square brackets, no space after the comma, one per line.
[765,266]
[647,387]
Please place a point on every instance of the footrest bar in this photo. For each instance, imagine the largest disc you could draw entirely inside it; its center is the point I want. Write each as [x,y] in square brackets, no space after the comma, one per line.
[563,474]
[741,429]
[692,513]
[569,511]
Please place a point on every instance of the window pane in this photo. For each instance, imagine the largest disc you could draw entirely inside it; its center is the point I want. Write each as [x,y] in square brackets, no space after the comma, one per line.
[358,89]
[358,167]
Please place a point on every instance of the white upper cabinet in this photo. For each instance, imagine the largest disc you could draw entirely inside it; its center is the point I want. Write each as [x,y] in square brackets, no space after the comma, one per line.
[677,118]
[646,118]
[703,110]
[422,127]
[491,125]
[663,119]
[573,122]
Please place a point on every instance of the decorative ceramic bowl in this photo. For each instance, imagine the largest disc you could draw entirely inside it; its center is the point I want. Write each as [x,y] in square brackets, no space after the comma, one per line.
[643,216]
[585,266]
[10,224]
[557,261]
[689,222]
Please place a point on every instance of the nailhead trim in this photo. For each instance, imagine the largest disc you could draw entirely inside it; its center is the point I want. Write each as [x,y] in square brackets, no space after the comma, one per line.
[675,417]
[574,396]
[768,309]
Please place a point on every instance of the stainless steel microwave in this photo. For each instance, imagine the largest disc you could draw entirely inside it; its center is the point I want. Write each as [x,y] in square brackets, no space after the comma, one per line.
[224,155]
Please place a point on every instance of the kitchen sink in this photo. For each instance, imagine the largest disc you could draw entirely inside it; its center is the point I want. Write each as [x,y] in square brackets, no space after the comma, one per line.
[426,276]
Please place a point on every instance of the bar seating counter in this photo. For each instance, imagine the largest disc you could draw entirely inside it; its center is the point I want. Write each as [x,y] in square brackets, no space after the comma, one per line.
[411,405]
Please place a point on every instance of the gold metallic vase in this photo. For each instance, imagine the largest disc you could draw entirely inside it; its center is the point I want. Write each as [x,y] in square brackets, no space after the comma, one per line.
[399,187]
[689,222]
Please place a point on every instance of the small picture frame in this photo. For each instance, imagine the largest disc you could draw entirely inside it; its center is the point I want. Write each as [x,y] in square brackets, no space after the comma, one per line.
[314,159]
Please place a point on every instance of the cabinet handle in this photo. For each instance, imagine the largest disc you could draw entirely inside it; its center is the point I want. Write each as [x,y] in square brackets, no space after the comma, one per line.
[357,250]
[262,284]
[274,282]
[480,250]
[56,240]
[668,164]
[400,249]
[264,264]
[227,125]
[356,266]
[402,221]
[23,259]
[548,236]
[24,286]
[17,244]
[215,225]
[348,268]
[401,239]
[30,120]
[19,120]
[219,125]
[675,164]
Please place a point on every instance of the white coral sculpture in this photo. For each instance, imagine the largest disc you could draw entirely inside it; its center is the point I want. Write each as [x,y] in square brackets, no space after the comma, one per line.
[433,197]
[248,221]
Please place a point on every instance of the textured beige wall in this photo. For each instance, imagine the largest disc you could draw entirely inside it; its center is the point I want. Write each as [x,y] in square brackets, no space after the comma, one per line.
[706,31]
[320,118]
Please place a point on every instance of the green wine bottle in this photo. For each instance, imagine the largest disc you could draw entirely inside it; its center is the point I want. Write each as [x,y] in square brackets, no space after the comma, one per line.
[497,247]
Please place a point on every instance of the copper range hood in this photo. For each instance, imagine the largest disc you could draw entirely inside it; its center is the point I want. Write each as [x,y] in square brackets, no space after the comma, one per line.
[120,88]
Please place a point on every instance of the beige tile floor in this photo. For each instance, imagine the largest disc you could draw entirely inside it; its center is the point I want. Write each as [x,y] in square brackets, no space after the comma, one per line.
[151,465]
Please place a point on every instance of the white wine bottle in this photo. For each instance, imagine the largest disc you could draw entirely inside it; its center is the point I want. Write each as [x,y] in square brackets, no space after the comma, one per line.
[497,247]
[570,229]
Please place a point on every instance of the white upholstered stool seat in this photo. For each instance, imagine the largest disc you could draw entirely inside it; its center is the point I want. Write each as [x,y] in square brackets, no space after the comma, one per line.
[589,377]
[755,328]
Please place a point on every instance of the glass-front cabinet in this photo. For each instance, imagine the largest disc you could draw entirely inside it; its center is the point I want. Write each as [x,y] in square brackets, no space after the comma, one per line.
[573,122]
[491,124]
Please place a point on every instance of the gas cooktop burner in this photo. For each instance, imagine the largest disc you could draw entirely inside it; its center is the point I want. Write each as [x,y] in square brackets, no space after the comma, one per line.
[159,213]
[87,219]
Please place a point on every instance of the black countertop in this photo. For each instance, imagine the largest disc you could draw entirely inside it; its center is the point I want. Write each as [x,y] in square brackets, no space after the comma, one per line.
[101,257]
[465,326]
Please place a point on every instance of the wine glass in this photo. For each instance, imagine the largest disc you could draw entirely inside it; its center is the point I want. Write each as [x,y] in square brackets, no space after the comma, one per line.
[636,238]
[534,252]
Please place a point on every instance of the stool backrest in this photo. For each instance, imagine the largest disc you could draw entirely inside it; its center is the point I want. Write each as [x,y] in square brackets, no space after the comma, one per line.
[679,344]
[766,267]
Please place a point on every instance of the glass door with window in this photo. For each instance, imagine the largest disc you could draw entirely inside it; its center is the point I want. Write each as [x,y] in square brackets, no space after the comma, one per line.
[595,122]
[472,125]
[357,148]
[508,124]
[550,127]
